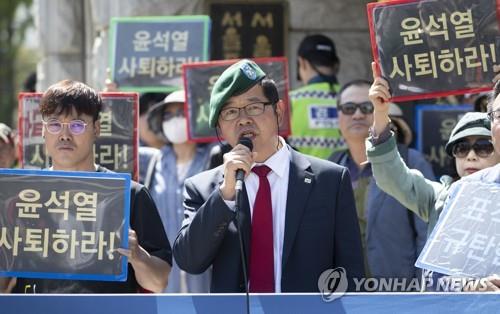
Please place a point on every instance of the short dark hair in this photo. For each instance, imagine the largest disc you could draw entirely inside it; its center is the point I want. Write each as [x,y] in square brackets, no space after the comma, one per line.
[319,50]
[357,82]
[270,90]
[63,96]
[147,100]
[493,95]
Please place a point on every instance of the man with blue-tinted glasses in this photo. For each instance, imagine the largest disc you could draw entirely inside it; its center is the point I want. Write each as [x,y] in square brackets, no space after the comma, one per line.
[70,112]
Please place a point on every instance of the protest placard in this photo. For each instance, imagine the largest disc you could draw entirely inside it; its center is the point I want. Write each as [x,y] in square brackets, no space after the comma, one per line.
[466,240]
[433,48]
[147,53]
[65,225]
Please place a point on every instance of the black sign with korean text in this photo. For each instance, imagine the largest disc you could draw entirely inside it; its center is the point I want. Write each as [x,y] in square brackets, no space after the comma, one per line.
[65,225]
[434,48]
[115,148]
[147,53]
[199,79]
[248,29]
[434,124]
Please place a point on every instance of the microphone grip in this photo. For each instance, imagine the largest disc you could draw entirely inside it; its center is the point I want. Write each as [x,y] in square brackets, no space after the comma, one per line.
[240,173]
[240,176]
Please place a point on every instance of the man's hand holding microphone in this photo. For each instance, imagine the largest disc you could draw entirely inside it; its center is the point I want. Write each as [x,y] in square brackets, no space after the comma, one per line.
[237,164]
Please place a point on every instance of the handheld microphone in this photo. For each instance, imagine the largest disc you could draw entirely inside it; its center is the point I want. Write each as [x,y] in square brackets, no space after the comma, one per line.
[240,176]
[240,173]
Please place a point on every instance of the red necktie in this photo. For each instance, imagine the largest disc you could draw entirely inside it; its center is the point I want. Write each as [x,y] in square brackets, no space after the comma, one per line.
[261,250]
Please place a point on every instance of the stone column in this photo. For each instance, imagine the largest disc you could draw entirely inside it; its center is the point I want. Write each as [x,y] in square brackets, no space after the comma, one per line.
[61,31]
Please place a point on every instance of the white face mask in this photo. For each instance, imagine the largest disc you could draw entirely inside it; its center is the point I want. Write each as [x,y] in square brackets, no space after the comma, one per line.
[175,130]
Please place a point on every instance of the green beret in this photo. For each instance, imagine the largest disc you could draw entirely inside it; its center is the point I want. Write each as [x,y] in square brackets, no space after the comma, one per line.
[235,80]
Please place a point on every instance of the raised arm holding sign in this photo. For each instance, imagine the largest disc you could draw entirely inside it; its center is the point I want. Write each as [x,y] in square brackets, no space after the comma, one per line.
[468,145]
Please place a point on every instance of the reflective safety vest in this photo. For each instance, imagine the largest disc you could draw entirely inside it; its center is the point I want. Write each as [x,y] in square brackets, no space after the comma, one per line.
[315,126]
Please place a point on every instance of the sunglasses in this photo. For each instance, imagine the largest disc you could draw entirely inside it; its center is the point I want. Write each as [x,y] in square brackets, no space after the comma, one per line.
[54,126]
[349,108]
[482,148]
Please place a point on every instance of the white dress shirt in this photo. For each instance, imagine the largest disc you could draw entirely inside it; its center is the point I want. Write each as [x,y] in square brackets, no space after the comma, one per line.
[279,163]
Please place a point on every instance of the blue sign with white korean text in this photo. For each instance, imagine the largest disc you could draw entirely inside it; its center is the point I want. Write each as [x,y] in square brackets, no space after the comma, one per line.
[147,53]
[63,225]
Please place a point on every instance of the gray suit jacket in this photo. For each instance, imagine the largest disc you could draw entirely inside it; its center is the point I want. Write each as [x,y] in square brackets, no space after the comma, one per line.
[321,228]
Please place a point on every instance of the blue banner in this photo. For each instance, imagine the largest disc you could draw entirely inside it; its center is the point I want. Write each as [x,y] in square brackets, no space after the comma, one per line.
[372,303]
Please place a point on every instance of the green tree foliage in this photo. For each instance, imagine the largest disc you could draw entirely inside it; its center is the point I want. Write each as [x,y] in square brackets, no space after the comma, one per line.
[12,30]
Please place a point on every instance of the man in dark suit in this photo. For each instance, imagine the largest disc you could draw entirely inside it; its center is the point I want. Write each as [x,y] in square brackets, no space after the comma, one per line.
[297,214]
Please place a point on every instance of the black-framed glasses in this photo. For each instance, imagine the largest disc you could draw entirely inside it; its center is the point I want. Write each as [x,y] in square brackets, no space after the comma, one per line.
[483,148]
[494,116]
[167,115]
[253,109]
[349,108]
[54,126]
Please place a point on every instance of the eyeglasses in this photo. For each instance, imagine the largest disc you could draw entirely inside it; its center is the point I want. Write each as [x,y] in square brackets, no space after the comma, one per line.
[349,108]
[253,109]
[494,116]
[54,126]
[167,115]
[482,148]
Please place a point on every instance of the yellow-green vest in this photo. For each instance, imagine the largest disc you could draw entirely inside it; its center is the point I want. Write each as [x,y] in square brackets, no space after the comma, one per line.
[315,128]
